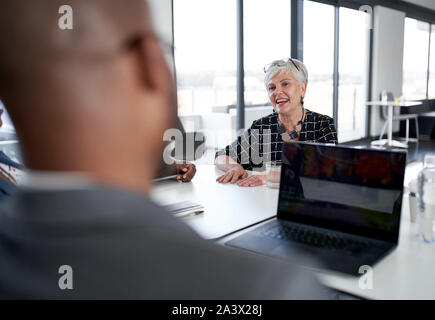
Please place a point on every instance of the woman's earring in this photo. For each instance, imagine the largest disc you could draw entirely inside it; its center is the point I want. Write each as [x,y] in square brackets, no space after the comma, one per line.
[302,100]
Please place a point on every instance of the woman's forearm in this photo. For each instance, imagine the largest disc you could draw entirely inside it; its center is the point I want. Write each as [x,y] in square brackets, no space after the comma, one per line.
[225,163]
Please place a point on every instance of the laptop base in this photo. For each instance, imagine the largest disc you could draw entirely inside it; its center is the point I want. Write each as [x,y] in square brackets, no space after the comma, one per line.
[341,260]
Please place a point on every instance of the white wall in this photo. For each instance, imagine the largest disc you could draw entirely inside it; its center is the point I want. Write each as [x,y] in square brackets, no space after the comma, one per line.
[387,67]
[161,13]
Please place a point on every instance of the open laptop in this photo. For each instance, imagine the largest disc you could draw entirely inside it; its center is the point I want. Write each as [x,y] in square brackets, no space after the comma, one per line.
[340,204]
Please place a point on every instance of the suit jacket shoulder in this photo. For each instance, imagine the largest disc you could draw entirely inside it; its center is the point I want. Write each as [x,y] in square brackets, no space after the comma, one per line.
[121,245]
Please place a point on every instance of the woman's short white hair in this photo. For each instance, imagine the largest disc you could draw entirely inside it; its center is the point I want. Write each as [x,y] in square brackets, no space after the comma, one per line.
[278,66]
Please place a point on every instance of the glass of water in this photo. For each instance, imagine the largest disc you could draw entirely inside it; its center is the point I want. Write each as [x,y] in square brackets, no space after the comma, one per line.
[273,174]
[426,200]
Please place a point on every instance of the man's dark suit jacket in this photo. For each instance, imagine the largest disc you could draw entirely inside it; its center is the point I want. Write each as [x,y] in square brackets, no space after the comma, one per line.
[121,245]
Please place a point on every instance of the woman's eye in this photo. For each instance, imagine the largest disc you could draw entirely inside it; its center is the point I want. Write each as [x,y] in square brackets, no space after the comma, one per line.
[271,88]
[285,84]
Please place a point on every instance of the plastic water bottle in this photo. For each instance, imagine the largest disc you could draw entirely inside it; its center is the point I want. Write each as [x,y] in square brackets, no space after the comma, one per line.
[426,200]
[384,96]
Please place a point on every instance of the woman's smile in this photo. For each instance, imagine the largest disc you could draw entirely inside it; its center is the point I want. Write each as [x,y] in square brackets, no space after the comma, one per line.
[281,102]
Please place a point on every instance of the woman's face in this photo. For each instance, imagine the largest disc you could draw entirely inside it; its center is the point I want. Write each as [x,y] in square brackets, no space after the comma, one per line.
[285,93]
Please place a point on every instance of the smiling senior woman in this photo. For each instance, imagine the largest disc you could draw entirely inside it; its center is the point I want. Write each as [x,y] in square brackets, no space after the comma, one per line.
[286,84]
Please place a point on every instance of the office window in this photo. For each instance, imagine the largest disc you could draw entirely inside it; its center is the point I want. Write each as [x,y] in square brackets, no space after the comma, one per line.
[266,38]
[415,57]
[431,92]
[318,38]
[352,74]
[205,54]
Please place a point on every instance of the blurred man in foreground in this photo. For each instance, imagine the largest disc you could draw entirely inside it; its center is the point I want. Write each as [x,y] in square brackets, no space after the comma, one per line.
[90,106]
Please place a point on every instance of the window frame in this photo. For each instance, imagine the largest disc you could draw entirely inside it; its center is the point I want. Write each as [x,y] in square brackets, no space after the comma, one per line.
[296,41]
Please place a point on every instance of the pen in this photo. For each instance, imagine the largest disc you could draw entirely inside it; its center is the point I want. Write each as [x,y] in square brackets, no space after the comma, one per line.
[189,214]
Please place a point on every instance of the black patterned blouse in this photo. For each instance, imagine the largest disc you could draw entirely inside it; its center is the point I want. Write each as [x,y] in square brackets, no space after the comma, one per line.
[262,142]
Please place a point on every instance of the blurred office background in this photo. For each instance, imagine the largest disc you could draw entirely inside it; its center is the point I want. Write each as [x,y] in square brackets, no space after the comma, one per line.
[353,50]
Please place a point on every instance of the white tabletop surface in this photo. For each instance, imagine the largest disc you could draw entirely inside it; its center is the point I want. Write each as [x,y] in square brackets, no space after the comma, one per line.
[406,273]
[427,114]
[394,104]
[228,208]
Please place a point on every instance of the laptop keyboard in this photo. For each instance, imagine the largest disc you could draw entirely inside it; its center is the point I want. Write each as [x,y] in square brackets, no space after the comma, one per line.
[314,238]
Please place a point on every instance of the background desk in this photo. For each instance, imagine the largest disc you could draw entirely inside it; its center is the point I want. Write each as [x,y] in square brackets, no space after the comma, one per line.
[391,104]
[406,273]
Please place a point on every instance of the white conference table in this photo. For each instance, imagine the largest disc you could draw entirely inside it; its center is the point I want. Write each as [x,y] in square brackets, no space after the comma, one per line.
[406,273]
[228,208]
[391,104]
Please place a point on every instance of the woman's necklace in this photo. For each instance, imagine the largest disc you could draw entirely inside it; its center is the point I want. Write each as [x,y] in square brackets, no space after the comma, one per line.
[295,133]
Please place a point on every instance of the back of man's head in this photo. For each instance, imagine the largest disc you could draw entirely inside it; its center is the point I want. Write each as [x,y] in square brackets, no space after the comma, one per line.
[95,98]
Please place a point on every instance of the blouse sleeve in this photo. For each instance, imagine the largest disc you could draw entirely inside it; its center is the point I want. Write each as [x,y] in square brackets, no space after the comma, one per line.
[328,133]
[243,148]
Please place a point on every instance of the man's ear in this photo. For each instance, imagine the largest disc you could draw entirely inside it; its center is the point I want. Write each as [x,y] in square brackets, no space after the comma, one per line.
[154,68]
[156,76]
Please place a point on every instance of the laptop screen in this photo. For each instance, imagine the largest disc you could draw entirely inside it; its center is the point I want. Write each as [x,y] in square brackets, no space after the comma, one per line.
[347,189]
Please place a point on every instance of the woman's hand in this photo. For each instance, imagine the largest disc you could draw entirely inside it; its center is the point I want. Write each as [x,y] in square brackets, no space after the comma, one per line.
[186,171]
[233,175]
[253,181]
